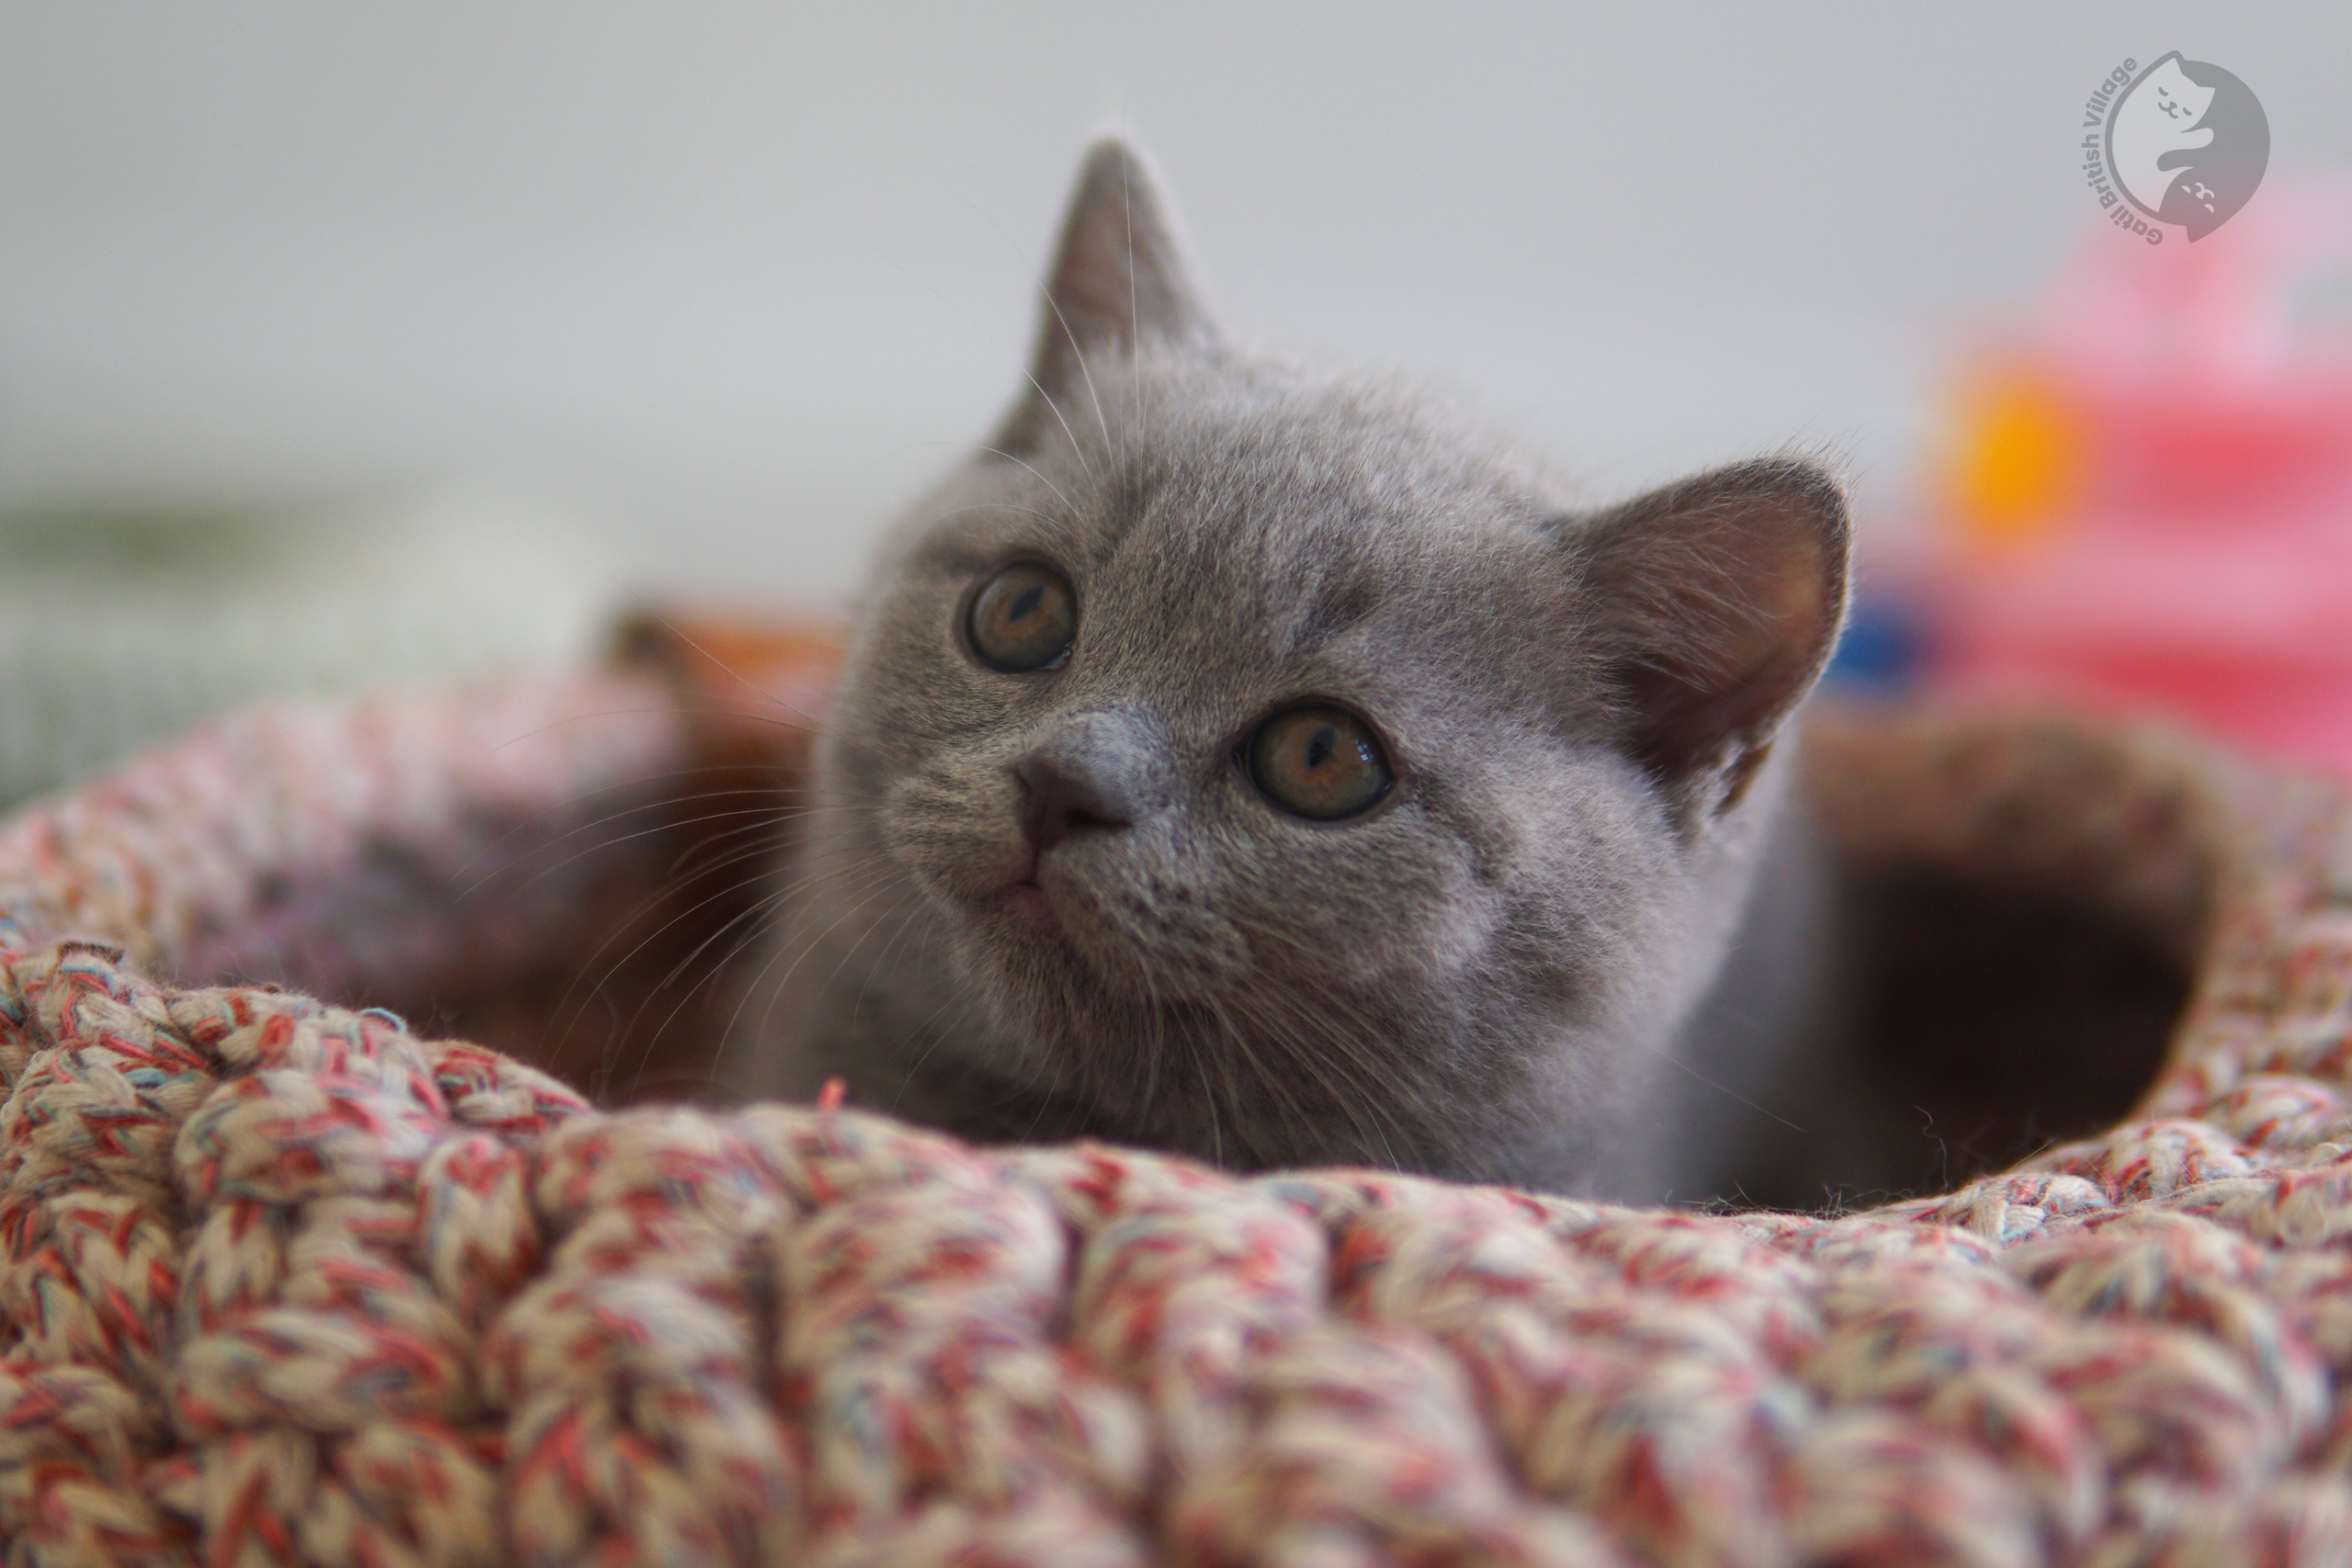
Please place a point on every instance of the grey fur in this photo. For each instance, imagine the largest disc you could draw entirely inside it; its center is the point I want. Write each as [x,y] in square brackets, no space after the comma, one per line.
[1485,975]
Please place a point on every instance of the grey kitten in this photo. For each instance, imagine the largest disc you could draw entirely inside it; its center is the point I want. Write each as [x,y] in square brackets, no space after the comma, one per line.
[1278,766]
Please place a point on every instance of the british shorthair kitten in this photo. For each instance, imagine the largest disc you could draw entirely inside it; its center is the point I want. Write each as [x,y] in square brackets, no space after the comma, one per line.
[1280,767]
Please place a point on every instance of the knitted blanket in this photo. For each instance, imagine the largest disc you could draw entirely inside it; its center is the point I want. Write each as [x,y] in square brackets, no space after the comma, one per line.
[282,1281]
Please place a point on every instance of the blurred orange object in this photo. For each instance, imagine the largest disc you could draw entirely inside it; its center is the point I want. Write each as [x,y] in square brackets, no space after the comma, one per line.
[2018,463]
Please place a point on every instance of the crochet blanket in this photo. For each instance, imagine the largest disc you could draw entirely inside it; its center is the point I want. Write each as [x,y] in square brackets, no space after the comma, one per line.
[282,1282]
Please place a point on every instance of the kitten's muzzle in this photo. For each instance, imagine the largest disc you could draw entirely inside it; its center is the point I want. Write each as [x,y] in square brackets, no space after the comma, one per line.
[1095,773]
[1063,797]
[1060,799]
[1092,775]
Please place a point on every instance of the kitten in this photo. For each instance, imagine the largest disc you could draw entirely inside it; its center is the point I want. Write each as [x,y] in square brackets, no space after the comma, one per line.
[1278,766]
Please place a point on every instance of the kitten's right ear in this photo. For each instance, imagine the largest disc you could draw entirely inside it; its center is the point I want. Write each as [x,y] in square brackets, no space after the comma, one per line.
[1715,602]
[1119,278]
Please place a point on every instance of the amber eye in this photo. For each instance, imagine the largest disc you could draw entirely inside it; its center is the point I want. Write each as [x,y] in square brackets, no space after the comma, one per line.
[1024,619]
[1320,762]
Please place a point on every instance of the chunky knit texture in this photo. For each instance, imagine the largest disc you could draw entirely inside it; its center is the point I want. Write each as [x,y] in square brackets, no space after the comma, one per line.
[283,1282]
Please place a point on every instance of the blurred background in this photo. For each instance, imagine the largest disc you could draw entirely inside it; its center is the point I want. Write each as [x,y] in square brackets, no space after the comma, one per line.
[342,346]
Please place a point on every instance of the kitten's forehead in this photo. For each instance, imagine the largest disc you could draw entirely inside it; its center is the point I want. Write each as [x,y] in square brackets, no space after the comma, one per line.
[1287,506]
[1240,532]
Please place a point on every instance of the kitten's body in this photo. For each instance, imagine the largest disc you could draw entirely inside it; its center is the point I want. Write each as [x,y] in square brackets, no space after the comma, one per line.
[1497,972]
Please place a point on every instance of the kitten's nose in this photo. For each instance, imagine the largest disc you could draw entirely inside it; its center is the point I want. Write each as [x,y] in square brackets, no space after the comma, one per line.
[1093,774]
[1064,799]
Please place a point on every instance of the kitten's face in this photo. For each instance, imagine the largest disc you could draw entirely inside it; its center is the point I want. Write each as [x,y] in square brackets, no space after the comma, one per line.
[1263,766]
[1250,615]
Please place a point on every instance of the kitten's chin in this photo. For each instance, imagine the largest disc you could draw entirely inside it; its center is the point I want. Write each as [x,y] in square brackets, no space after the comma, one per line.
[1036,913]
[1055,951]
[1018,929]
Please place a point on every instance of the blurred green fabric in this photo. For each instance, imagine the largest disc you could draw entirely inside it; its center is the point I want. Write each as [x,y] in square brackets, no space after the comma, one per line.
[120,627]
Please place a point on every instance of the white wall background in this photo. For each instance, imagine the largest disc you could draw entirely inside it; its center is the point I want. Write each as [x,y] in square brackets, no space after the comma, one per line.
[737,276]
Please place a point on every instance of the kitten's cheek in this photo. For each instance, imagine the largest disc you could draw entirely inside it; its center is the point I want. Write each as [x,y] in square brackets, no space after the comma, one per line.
[938,851]
[962,870]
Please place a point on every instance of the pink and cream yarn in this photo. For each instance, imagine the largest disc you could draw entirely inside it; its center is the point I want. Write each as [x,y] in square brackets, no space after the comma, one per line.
[282,1283]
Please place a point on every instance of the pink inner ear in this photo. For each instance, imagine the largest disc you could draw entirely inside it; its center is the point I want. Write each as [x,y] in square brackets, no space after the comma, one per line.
[1721,598]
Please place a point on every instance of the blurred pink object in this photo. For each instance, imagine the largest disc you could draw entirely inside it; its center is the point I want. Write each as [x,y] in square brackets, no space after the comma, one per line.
[2152,496]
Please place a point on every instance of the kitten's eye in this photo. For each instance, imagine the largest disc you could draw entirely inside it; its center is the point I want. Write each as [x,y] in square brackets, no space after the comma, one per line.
[1024,619]
[1318,762]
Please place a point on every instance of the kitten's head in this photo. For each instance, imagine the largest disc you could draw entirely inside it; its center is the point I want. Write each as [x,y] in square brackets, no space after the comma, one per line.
[1292,770]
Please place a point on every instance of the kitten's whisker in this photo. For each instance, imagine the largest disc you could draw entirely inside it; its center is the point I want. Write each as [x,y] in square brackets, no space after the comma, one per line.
[1367,1098]
[1042,516]
[1293,1049]
[880,881]
[710,844]
[1257,1020]
[597,993]
[859,942]
[756,918]
[765,813]
[640,781]
[1155,1009]
[916,1066]
[763,816]
[1047,289]
[1225,1064]
[1047,1100]
[1066,432]
[1346,1053]
[597,990]
[873,886]
[679,883]
[882,961]
[1208,1098]
[1668,1055]
[772,700]
[807,723]
[645,907]
[1075,510]
[763,916]
[783,814]
[793,801]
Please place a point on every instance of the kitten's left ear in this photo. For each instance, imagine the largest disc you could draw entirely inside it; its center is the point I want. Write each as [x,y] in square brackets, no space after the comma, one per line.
[1119,279]
[1718,601]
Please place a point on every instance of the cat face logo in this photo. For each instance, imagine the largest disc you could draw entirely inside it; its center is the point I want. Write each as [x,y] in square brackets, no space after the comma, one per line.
[2186,143]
